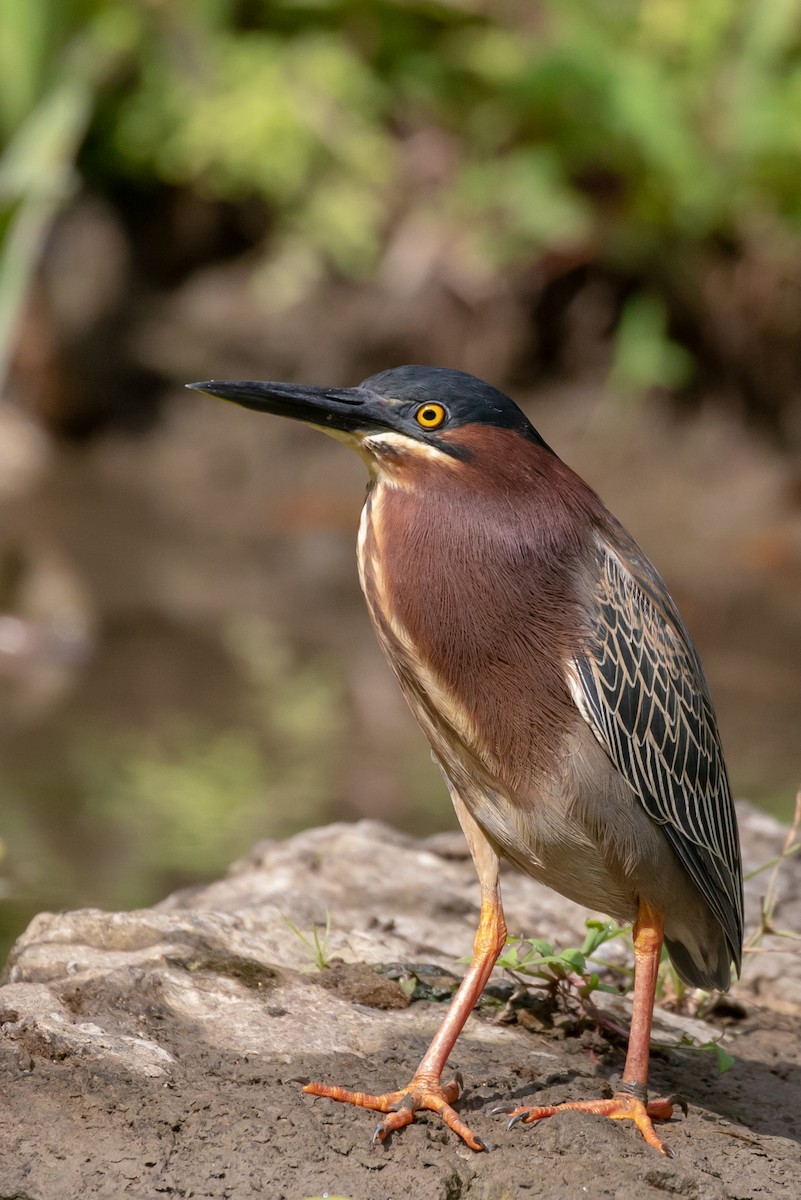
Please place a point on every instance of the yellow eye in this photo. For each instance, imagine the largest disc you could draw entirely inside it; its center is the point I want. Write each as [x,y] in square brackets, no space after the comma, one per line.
[430,415]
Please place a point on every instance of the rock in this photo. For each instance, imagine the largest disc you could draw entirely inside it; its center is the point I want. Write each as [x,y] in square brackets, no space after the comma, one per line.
[151,1051]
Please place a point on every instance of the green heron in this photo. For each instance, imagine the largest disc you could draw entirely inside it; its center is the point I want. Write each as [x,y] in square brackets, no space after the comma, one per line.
[562,696]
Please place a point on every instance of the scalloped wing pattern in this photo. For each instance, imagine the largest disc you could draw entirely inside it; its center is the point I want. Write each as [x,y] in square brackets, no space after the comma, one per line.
[646,699]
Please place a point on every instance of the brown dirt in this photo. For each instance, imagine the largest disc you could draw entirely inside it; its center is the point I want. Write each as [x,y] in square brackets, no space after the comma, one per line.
[231,1125]
[156,1053]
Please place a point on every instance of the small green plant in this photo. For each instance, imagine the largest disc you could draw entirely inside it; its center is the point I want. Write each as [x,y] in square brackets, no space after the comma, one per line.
[317,943]
[570,977]
[560,969]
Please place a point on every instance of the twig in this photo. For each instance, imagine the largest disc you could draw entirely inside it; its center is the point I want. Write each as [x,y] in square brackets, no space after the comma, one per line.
[769,901]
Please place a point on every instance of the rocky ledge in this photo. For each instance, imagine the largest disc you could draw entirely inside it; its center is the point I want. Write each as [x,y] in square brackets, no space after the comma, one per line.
[157,1052]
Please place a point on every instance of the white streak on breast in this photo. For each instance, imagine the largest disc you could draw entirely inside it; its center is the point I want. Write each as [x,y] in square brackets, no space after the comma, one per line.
[370,550]
[361,540]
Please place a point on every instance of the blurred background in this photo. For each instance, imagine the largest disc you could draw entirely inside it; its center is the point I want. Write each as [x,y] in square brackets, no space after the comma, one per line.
[597,207]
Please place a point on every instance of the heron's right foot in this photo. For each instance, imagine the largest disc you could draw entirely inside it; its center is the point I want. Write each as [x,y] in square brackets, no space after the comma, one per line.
[620,1107]
[424,1092]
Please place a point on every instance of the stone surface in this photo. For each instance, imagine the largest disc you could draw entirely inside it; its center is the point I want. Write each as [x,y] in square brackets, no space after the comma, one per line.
[151,1053]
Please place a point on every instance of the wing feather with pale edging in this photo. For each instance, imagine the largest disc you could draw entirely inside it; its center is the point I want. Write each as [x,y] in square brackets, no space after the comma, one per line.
[642,690]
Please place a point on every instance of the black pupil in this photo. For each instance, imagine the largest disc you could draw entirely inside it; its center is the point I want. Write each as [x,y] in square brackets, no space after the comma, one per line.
[430,414]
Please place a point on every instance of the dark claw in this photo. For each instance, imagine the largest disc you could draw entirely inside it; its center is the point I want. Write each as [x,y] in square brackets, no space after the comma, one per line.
[521,1116]
[666,1150]
[405,1102]
[304,1079]
[378,1134]
[482,1145]
[456,1078]
[500,1109]
[680,1102]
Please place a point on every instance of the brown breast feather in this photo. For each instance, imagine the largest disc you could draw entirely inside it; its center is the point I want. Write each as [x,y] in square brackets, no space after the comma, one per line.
[473,576]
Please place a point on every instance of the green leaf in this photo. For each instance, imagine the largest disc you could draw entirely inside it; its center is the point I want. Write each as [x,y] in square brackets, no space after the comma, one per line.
[591,984]
[600,932]
[574,958]
[725,1060]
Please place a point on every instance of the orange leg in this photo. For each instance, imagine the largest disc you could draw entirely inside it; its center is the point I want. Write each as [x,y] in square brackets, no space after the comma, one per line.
[426,1089]
[630,1101]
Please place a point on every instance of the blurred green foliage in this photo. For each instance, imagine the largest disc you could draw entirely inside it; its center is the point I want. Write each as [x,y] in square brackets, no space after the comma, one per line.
[643,135]
[644,354]
[657,140]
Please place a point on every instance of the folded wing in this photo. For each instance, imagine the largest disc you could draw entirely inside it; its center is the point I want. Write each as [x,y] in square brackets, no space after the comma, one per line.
[642,690]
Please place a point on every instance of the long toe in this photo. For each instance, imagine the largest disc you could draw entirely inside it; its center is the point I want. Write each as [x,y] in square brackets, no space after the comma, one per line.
[621,1107]
[400,1106]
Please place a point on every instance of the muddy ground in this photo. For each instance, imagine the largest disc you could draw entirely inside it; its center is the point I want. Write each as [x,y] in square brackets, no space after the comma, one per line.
[231,1125]
[156,1053]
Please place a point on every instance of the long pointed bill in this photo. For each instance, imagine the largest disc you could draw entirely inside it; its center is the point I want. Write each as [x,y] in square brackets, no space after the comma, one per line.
[349,410]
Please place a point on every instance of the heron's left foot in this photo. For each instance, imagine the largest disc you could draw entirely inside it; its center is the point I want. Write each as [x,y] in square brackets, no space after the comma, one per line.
[621,1107]
[424,1092]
